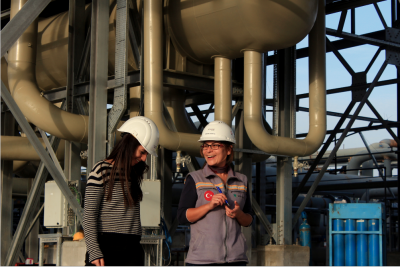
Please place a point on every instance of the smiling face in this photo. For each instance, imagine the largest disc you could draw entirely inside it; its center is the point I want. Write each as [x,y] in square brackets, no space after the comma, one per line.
[140,155]
[217,157]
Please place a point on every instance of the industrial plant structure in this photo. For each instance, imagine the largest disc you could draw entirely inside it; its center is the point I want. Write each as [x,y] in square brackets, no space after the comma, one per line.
[72,71]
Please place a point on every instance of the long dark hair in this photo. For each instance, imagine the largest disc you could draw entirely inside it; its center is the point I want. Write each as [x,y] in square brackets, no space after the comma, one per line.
[121,156]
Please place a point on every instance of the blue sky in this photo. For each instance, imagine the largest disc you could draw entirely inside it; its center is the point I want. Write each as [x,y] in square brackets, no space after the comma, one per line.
[383,98]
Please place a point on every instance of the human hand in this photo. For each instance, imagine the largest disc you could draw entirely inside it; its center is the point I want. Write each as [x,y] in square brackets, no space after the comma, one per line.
[233,213]
[217,200]
[98,262]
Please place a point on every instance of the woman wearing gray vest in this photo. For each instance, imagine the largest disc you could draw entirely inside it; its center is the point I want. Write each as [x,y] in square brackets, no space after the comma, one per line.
[216,203]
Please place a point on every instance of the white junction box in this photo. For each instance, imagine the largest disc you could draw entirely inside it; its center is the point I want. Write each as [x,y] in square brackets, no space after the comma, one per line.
[151,203]
[53,206]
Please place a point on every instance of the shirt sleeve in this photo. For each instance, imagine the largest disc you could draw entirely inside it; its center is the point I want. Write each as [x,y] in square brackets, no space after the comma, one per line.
[247,207]
[93,196]
[188,200]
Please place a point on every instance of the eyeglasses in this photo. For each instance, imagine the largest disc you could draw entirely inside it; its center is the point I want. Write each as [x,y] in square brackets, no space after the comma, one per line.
[213,146]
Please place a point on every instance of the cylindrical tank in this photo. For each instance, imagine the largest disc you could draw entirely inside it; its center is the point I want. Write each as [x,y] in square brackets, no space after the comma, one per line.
[305,233]
[201,29]
[362,245]
[52,50]
[338,243]
[373,243]
[350,243]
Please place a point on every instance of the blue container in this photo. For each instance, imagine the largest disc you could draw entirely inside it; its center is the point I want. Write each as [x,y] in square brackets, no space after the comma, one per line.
[373,243]
[338,243]
[369,233]
[350,243]
[362,244]
[305,234]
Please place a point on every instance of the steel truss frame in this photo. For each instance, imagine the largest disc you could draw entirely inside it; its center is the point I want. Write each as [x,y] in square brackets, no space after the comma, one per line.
[205,84]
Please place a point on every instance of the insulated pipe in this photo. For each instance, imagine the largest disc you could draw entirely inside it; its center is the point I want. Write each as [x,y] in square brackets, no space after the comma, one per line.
[379,193]
[134,101]
[387,162]
[223,89]
[317,77]
[153,82]
[174,100]
[356,161]
[19,148]
[370,165]
[24,89]
[17,164]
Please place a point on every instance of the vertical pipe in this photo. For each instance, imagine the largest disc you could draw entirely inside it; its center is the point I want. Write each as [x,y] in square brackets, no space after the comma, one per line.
[373,243]
[362,246]
[338,243]
[350,243]
[388,166]
[223,89]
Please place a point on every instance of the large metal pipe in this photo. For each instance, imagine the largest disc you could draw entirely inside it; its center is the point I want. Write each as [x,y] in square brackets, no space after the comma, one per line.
[317,80]
[19,148]
[223,89]
[25,91]
[174,100]
[153,82]
[379,193]
[356,161]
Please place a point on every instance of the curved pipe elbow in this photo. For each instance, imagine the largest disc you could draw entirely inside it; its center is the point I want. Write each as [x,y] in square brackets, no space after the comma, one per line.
[175,141]
[26,93]
[253,98]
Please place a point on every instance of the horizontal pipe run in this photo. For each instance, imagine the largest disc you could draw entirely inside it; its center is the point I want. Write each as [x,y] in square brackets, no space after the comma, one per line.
[20,149]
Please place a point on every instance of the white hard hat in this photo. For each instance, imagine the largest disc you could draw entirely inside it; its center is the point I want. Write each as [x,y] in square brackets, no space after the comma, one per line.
[145,131]
[217,131]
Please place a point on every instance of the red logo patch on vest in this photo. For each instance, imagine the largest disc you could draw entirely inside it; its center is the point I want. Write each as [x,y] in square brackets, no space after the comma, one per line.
[208,195]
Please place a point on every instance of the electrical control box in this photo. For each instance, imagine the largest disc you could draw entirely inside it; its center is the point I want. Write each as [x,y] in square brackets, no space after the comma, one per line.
[54,206]
[151,204]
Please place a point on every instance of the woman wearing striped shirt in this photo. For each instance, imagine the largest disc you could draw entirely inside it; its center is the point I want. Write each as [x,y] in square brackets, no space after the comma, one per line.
[112,201]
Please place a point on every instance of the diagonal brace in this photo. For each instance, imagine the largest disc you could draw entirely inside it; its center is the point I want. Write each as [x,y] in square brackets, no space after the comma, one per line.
[20,22]
[58,177]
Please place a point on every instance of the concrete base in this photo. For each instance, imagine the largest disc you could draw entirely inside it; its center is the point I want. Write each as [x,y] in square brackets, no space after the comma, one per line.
[73,253]
[283,255]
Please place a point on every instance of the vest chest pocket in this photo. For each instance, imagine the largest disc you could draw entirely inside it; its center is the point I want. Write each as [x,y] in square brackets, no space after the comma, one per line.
[238,195]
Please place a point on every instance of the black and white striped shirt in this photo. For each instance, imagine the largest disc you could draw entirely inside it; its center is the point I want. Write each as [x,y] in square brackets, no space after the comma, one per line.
[106,216]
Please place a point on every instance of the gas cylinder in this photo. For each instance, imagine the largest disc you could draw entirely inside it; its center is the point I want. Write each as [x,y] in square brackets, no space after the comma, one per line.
[305,233]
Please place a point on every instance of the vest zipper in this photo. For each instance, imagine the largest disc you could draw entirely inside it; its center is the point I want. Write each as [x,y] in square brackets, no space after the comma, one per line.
[226,224]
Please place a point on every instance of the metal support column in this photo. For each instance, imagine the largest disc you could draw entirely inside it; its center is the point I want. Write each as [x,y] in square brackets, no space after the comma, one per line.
[98,83]
[285,110]
[76,39]
[6,202]
[260,197]
[243,165]
[31,237]
[121,69]
[165,173]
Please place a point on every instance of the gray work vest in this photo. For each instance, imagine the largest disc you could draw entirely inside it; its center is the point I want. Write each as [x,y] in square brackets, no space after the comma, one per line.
[216,238]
